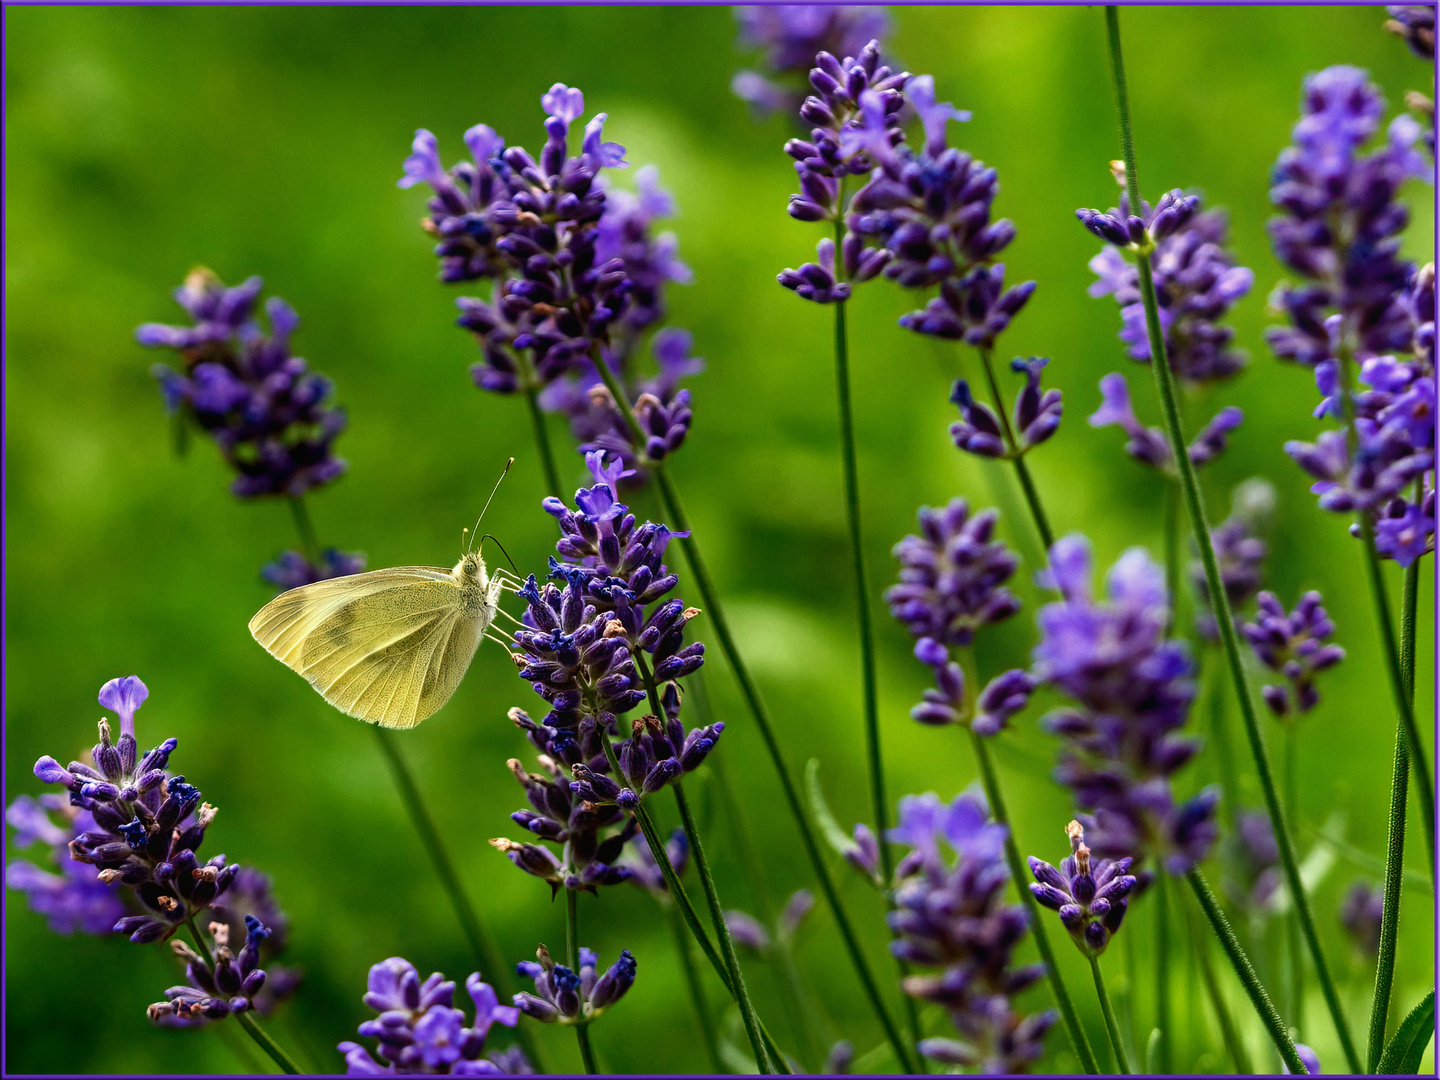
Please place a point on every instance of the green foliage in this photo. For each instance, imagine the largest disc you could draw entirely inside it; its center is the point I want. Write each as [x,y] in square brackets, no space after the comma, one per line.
[142,141]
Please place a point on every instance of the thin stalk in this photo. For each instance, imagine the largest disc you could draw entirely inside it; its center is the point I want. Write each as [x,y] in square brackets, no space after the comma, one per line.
[1234,1040]
[1037,922]
[722,931]
[1022,471]
[1395,836]
[1199,524]
[572,958]
[245,1020]
[1292,924]
[1279,1033]
[1163,1014]
[682,901]
[1116,1045]
[874,760]
[748,690]
[542,443]
[696,987]
[1424,783]
[305,527]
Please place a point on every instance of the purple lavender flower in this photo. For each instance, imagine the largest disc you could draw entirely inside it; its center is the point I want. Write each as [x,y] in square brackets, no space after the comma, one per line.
[1361,914]
[1416,24]
[1036,416]
[1149,445]
[1196,283]
[1296,645]
[791,35]
[952,576]
[563,996]
[1239,551]
[213,992]
[589,825]
[532,226]
[1132,691]
[950,917]
[1090,898]
[75,898]
[645,871]
[262,406]
[419,1030]
[1254,861]
[291,569]
[751,933]
[148,824]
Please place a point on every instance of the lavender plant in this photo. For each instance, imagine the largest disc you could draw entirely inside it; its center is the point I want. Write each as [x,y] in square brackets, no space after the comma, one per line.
[789,37]
[418,1029]
[140,826]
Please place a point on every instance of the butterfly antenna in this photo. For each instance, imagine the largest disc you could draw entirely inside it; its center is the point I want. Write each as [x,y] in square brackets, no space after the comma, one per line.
[496,488]
[491,536]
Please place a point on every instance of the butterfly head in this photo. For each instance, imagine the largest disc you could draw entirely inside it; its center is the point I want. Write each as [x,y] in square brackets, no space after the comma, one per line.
[471,566]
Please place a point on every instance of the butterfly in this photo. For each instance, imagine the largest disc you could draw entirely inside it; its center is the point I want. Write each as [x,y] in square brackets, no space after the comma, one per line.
[388,646]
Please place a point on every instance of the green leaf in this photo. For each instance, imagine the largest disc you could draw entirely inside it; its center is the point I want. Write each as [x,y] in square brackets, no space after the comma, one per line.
[835,836]
[1152,1052]
[1407,1046]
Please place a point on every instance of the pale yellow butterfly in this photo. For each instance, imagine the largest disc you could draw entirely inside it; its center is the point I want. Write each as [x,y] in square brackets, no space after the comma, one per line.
[388,646]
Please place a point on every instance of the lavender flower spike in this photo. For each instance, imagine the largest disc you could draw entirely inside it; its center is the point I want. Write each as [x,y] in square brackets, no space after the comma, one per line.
[1296,645]
[790,36]
[1148,445]
[213,994]
[1090,897]
[567,997]
[418,1029]
[76,898]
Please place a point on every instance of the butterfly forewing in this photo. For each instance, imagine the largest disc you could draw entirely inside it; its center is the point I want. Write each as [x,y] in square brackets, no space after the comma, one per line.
[389,646]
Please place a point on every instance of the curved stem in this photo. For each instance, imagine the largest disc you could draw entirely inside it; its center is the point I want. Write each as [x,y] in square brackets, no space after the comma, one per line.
[1292,923]
[1022,471]
[682,901]
[696,988]
[1113,1029]
[1395,834]
[1037,924]
[1279,1033]
[871,709]
[1424,783]
[722,931]
[1200,526]
[285,1062]
[542,443]
[756,707]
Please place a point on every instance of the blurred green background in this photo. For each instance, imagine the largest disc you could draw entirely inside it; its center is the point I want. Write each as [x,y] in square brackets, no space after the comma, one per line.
[141,142]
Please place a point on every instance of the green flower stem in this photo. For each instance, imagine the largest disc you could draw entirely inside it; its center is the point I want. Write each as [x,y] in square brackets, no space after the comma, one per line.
[1163,1015]
[542,443]
[1424,783]
[1234,1040]
[305,527]
[878,802]
[722,931]
[1224,616]
[695,986]
[1292,923]
[1279,1033]
[245,1020]
[1112,1028]
[687,909]
[671,498]
[1037,923]
[482,945]
[1022,471]
[1395,836]
[572,958]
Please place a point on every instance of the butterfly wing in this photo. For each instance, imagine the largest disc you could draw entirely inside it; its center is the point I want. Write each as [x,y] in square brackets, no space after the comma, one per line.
[389,646]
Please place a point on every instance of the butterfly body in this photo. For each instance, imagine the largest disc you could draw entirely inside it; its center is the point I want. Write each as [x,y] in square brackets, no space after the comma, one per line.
[389,646]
